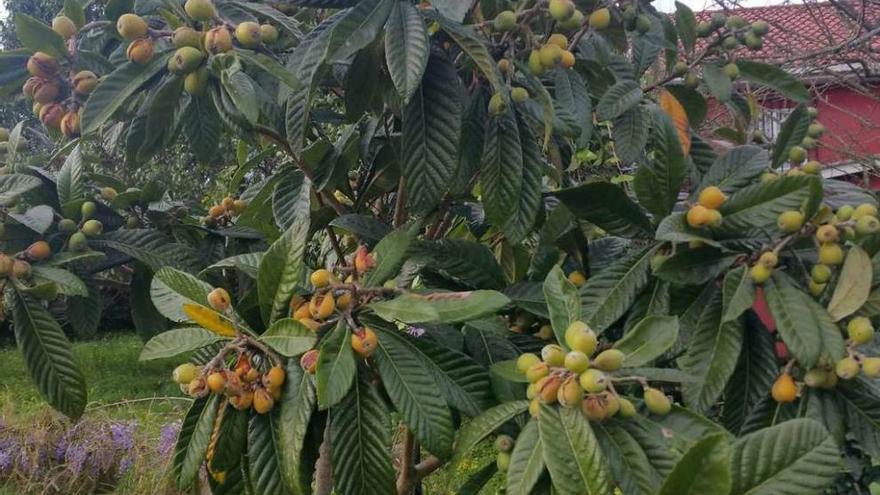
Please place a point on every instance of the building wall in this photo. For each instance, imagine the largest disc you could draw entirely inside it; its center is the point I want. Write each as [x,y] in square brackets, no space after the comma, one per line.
[852,122]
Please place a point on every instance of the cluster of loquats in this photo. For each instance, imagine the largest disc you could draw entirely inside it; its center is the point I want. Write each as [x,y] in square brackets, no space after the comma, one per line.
[578,378]
[705,213]
[729,34]
[828,229]
[552,53]
[58,93]
[504,445]
[797,154]
[826,375]
[223,212]
[79,233]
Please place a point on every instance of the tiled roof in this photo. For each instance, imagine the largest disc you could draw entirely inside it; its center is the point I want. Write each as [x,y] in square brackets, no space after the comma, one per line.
[811,29]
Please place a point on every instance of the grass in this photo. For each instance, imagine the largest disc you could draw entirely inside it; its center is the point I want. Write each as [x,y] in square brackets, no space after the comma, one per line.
[121,388]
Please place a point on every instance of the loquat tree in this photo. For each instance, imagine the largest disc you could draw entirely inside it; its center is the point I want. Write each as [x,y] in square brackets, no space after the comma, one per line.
[483,223]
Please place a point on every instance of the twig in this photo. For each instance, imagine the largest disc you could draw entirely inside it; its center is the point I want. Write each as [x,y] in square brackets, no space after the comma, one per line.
[407,470]
[323,468]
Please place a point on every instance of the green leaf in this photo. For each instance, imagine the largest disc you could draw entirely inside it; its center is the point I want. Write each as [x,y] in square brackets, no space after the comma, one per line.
[618,99]
[797,457]
[360,443]
[630,131]
[748,390]
[526,461]
[14,185]
[704,468]
[529,203]
[805,327]
[84,313]
[248,264]
[336,367]
[501,168]
[297,405]
[291,198]
[270,66]
[193,439]
[467,263]
[712,353]
[473,44]
[860,398]
[509,371]
[289,337]
[694,266]
[853,284]
[282,270]
[70,179]
[627,460]
[757,207]
[686,24]
[608,207]
[739,293]
[412,389]
[475,483]
[47,355]
[406,48]
[148,321]
[75,12]
[39,218]
[447,307]
[171,289]
[563,302]
[243,93]
[391,253]
[263,447]
[283,21]
[648,340]
[608,294]
[791,134]
[68,283]
[717,81]
[14,146]
[737,168]
[658,182]
[774,77]
[114,90]
[202,127]
[572,455]
[357,28]
[483,425]
[38,37]
[176,342]
[150,246]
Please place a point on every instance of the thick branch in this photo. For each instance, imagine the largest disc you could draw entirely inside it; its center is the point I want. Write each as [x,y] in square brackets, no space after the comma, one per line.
[323,469]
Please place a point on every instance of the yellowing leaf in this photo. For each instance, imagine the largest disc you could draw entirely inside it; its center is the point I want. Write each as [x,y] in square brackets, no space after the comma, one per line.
[209,319]
[673,108]
[853,285]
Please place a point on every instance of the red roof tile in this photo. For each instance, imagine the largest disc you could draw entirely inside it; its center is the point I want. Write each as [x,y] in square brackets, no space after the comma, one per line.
[811,29]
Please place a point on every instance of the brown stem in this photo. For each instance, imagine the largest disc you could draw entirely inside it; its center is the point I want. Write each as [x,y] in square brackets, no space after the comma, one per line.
[323,469]
[428,466]
[405,478]
[398,204]
[340,256]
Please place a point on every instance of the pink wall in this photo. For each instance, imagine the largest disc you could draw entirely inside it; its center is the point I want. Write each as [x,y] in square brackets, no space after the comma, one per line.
[852,121]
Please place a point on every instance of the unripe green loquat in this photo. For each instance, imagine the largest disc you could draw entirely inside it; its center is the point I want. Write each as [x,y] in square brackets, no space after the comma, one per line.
[593,381]
[609,360]
[830,254]
[553,355]
[847,368]
[790,221]
[577,362]
[860,330]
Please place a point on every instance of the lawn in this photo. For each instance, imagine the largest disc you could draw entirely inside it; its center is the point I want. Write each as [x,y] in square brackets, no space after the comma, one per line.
[126,397]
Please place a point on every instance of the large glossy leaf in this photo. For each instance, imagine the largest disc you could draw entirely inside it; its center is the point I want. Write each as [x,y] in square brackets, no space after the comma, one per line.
[412,389]
[627,460]
[282,269]
[618,99]
[406,48]
[290,199]
[296,407]
[739,293]
[748,390]
[38,218]
[563,302]
[149,246]
[483,425]
[446,307]
[630,131]
[526,461]
[774,77]
[797,457]
[717,81]
[712,353]
[171,289]
[47,355]
[648,340]
[474,46]
[791,134]
[202,127]
[608,294]
[14,185]
[391,253]
[468,263]
[288,337]
[501,169]
[263,446]
[193,439]
[704,468]
[248,263]
[336,367]
[686,24]
[177,341]
[357,28]
[360,443]
[758,206]
[68,283]
[853,284]
[70,179]
[37,36]
[572,454]
[529,203]
[607,206]
[658,182]
[431,124]
[860,399]
[113,90]
[737,168]
[804,325]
